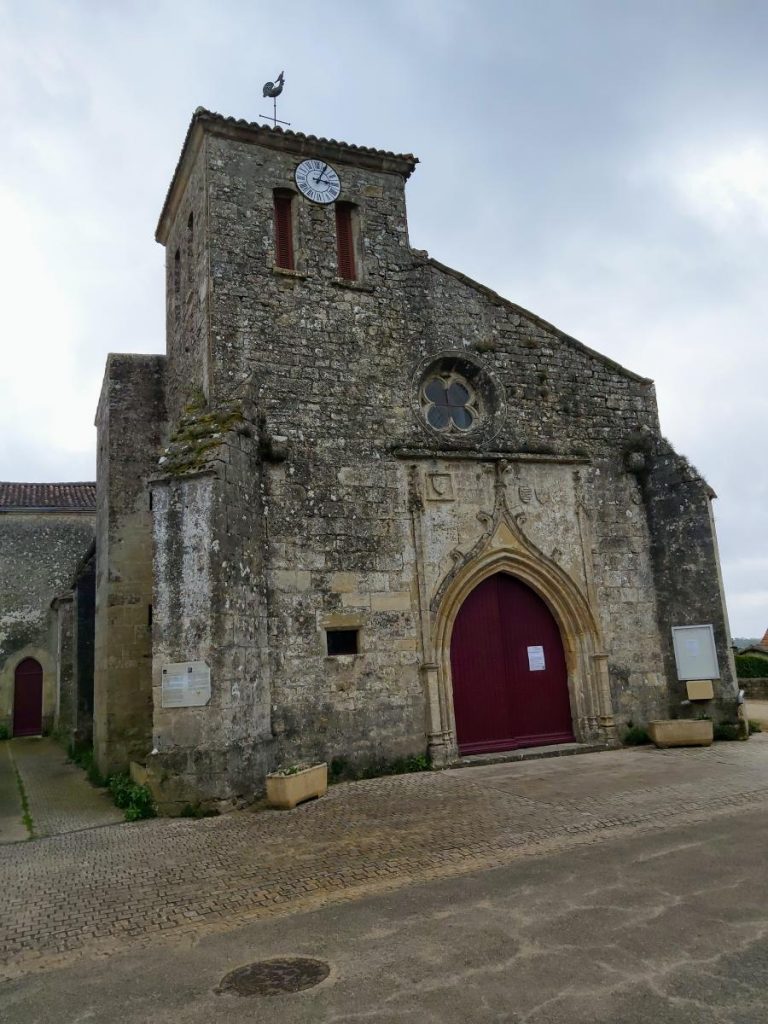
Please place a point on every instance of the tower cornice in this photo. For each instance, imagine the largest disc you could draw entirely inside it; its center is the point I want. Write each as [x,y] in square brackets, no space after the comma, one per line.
[207,122]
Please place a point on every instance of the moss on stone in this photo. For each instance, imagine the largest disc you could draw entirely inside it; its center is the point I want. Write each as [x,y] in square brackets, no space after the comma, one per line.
[199,432]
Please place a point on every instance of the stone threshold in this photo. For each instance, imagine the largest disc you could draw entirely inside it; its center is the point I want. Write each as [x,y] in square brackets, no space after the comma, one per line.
[529,754]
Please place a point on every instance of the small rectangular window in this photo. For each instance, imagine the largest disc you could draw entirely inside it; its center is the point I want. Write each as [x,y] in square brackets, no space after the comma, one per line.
[342,641]
[284,230]
[345,241]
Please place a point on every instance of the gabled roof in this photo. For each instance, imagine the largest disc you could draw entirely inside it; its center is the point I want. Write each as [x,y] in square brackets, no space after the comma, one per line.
[761,649]
[62,497]
[499,300]
[273,138]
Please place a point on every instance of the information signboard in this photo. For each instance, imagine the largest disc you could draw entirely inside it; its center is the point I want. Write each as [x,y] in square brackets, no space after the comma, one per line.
[186,684]
[695,653]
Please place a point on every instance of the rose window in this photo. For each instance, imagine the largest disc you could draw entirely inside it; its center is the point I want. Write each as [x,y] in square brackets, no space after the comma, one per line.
[449,404]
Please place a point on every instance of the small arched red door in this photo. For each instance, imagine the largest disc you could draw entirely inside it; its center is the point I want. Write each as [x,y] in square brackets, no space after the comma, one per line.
[510,682]
[28,698]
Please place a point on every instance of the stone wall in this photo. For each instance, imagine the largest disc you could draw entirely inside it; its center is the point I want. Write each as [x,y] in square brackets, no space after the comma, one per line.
[678,504]
[754,688]
[38,555]
[64,640]
[84,614]
[346,510]
[131,423]
[189,282]
[210,603]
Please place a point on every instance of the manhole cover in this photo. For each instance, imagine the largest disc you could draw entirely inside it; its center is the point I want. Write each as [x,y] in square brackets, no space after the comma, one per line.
[272,977]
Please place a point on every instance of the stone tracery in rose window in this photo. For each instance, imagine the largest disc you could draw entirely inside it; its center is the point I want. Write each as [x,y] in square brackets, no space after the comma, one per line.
[449,404]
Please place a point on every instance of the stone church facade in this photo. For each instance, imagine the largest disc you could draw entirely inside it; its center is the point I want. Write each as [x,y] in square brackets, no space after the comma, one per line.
[366,508]
[351,456]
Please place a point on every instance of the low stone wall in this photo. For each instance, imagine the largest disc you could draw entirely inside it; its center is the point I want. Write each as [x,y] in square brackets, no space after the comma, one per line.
[755,689]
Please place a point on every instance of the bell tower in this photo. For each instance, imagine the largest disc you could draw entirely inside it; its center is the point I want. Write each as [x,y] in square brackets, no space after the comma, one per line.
[269,236]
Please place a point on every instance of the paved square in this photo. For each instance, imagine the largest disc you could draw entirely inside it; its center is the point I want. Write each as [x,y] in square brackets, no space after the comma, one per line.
[100,891]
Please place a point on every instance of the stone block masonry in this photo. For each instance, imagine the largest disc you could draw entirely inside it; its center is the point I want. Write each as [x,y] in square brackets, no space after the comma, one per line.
[131,427]
[305,489]
[39,550]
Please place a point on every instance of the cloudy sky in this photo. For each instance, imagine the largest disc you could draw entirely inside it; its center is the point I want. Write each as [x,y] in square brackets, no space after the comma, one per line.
[604,164]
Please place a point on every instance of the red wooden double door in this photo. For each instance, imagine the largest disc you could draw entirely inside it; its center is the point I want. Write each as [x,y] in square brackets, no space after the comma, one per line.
[510,682]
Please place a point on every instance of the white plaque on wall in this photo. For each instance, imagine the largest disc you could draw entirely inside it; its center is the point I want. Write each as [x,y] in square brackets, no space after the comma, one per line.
[536,661]
[186,684]
[695,653]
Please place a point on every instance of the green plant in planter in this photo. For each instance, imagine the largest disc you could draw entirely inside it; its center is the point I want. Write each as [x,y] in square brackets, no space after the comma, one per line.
[294,769]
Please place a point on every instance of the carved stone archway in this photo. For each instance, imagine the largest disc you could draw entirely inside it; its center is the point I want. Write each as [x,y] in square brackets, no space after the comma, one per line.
[505,548]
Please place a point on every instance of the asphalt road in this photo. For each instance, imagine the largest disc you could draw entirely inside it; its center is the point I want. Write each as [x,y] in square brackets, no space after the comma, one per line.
[663,926]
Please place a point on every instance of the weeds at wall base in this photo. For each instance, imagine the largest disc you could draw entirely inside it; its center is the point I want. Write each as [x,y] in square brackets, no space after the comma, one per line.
[134,800]
[635,736]
[727,731]
[82,755]
[340,769]
[196,811]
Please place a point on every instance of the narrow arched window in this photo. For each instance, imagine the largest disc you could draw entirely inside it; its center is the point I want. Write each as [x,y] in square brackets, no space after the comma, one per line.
[284,229]
[345,241]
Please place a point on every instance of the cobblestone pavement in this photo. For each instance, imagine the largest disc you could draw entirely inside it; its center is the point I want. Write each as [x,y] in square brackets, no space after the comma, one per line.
[97,892]
[12,827]
[60,797]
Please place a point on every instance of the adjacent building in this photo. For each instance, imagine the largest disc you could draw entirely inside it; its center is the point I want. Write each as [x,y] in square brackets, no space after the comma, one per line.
[45,531]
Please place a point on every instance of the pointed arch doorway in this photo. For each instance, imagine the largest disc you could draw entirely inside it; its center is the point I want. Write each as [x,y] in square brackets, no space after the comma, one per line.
[510,680]
[28,698]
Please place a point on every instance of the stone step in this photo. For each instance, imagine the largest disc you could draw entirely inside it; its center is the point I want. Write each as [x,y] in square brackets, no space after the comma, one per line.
[529,754]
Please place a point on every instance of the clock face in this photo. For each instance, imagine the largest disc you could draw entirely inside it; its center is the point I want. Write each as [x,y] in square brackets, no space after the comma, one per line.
[317,181]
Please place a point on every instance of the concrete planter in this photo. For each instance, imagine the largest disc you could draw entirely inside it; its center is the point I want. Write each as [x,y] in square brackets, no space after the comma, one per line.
[681,732]
[285,791]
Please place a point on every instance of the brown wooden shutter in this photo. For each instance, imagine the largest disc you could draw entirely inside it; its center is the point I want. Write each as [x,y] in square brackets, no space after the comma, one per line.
[283,231]
[345,242]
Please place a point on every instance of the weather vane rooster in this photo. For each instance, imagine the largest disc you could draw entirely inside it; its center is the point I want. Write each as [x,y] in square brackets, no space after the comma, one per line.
[273,90]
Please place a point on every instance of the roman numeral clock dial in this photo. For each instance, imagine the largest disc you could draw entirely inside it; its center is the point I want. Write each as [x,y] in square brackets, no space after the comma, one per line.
[317,181]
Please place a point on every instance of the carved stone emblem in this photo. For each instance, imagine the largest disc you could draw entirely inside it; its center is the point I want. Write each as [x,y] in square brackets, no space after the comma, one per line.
[439,487]
[526,493]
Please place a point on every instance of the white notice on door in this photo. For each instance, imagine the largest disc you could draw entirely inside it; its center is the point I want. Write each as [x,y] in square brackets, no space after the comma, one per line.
[536,659]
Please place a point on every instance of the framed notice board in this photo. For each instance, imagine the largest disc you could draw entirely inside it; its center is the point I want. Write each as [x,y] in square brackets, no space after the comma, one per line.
[695,653]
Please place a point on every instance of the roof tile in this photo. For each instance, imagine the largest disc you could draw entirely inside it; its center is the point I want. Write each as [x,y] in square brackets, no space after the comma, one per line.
[69,497]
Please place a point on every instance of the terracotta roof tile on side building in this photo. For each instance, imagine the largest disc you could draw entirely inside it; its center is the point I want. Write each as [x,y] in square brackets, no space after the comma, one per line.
[66,497]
